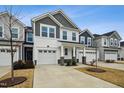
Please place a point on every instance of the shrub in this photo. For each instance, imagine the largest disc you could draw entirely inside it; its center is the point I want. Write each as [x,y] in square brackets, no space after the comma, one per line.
[110,61]
[23,65]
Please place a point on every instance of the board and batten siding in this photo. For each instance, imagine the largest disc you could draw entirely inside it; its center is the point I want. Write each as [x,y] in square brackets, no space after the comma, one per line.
[47,21]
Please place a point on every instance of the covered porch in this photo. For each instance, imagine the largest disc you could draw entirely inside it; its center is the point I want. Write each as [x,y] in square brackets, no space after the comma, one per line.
[69,52]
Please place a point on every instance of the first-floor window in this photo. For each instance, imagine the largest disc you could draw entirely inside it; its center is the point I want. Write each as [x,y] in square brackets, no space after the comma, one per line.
[65,35]
[82,39]
[74,36]
[51,32]
[44,31]
[1,31]
[14,32]
[66,51]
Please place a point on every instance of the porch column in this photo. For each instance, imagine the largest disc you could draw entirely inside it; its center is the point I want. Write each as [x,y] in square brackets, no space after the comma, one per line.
[74,56]
[84,56]
[62,56]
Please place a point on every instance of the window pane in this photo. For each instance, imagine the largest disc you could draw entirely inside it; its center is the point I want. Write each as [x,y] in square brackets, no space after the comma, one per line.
[51,32]
[82,40]
[44,31]
[64,35]
[74,36]
[30,36]
[14,33]
[89,41]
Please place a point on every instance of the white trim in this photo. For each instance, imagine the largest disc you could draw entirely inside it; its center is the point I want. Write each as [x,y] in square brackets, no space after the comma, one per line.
[2,31]
[66,17]
[48,27]
[86,30]
[75,36]
[46,15]
[90,41]
[116,33]
[18,32]
[83,39]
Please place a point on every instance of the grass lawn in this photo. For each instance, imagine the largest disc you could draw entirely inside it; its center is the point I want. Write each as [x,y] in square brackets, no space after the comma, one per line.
[28,73]
[119,62]
[111,75]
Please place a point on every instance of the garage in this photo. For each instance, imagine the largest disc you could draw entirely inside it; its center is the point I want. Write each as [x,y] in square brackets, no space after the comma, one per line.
[111,55]
[5,55]
[90,56]
[47,57]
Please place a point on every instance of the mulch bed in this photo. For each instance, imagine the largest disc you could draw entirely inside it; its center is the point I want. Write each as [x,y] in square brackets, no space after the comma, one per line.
[9,82]
[98,70]
[28,73]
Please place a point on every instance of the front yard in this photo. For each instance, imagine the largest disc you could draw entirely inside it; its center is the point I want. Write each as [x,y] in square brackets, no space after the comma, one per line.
[28,73]
[111,75]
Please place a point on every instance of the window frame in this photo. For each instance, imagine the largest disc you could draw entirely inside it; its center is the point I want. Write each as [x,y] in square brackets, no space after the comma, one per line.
[17,32]
[27,37]
[48,27]
[105,40]
[2,31]
[73,36]
[111,41]
[89,38]
[66,51]
[63,35]
[115,42]
[83,39]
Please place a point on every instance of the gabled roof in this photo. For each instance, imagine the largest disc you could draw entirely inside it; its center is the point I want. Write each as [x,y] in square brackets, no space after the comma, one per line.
[108,34]
[6,13]
[50,14]
[86,30]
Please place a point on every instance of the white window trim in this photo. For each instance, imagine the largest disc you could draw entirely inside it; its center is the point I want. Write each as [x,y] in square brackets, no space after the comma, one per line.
[48,26]
[105,40]
[75,36]
[18,32]
[27,37]
[2,31]
[111,40]
[90,41]
[115,40]
[67,35]
[83,39]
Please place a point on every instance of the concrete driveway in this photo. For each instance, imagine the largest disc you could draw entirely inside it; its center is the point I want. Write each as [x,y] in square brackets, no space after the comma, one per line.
[111,65]
[4,70]
[55,76]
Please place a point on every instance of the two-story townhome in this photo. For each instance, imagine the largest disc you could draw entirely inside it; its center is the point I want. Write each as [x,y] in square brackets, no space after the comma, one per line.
[17,36]
[91,52]
[121,55]
[56,37]
[28,44]
[108,45]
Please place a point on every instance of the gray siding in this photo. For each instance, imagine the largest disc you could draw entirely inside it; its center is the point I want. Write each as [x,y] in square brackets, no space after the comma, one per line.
[63,21]
[47,21]
[86,35]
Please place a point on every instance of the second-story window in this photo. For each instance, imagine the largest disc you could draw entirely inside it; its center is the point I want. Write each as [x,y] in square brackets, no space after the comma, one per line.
[82,39]
[74,36]
[1,31]
[115,42]
[29,37]
[14,32]
[51,32]
[65,35]
[105,41]
[44,31]
[89,41]
[111,41]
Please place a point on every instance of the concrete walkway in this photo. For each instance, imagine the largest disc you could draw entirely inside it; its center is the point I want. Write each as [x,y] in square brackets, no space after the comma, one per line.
[111,65]
[4,70]
[55,76]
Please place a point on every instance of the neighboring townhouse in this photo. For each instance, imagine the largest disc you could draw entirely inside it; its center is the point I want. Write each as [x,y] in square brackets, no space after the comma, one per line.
[121,56]
[17,35]
[91,52]
[56,38]
[108,45]
[28,44]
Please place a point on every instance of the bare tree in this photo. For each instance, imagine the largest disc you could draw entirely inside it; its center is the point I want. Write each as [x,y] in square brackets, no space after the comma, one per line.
[11,19]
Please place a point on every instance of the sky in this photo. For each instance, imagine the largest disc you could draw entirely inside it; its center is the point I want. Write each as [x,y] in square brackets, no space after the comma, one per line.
[98,19]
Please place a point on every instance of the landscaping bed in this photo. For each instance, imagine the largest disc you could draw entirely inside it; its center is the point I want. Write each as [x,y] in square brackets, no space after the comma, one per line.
[111,75]
[119,62]
[28,73]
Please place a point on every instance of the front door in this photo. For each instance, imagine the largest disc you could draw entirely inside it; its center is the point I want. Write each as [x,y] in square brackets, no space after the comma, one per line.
[28,54]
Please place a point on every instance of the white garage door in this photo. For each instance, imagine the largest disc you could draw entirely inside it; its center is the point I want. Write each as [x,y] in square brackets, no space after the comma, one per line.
[89,56]
[5,55]
[47,57]
[111,55]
